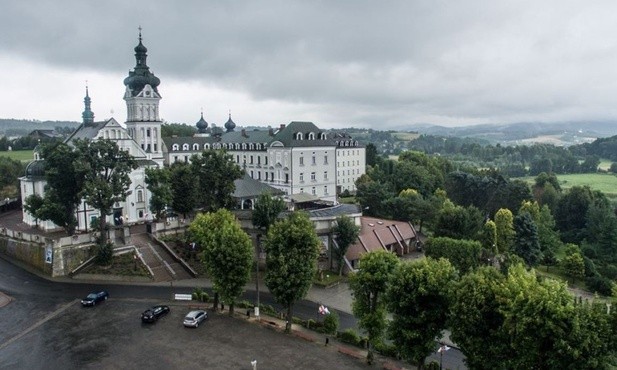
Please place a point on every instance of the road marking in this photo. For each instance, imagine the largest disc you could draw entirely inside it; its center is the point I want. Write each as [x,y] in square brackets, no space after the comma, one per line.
[36,325]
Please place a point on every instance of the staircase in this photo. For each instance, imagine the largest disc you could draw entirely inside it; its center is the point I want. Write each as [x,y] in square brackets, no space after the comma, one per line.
[161,263]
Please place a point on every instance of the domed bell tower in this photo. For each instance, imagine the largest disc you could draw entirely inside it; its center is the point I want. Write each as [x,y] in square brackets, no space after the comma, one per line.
[142,105]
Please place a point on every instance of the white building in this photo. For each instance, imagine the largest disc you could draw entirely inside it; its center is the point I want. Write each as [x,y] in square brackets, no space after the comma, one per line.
[141,137]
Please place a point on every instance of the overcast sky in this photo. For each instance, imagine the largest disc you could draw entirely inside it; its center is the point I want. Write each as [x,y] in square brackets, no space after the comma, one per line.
[358,63]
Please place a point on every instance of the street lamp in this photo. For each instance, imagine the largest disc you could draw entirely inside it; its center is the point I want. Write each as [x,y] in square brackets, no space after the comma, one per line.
[443,348]
[254,363]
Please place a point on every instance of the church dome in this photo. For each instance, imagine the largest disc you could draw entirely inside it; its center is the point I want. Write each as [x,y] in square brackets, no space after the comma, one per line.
[202,125]
[230,125]
[140,48]
[141,75]
[36,168]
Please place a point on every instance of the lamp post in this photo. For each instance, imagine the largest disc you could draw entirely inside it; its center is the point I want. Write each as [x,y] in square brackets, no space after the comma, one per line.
[443,348]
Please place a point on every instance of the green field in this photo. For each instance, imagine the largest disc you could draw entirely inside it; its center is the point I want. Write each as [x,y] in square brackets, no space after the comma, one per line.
[20,155]
[605,182]
[406,136]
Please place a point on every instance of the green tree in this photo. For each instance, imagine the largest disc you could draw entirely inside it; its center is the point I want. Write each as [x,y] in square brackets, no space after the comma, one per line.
[158,181]
[215,172]
[183,187]
[33,205]
[64,186]
[106,170]
[266,212]
[345,233]
[571,212]
[526,243]
[488,237]
[372,195]
[476,320]
[418,297]
[11,170]
[573,265]
[504,223]
[548,237]
[464,255]
[292,248]
[227,253]
[458,222]
[371,154]
[368,284]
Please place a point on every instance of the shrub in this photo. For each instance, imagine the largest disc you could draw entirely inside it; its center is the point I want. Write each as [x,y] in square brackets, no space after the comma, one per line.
[205,297]
[385,349]
[349,336]
[331,323]
[104,253]
[599,284]
[267,309]
[298,321]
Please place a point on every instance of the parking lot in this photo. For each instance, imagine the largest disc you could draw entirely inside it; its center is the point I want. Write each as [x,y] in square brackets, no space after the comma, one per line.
[111,336]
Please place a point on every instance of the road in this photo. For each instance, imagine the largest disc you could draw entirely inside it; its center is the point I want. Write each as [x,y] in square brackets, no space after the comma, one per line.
[36,297]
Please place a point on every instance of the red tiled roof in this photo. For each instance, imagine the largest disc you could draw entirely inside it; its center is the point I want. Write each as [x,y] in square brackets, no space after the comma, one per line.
[377,233]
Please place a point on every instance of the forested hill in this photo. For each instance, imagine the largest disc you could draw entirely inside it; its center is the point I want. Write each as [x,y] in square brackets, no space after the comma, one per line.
[602,147]
[20,127]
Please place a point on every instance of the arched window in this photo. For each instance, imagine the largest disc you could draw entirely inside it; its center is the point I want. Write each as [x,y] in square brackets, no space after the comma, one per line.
[243,146]
[322,136]
[185,146]
[237,146]
[195,146]
[251,146]
[299,136]
[140,195]
[311,136]
[175,147]
[258,146]
[206,146]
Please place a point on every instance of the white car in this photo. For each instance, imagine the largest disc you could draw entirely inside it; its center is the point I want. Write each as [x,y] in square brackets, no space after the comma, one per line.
[193,318]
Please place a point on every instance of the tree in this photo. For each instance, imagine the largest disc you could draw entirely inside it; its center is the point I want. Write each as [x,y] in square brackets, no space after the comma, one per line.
[183,187]
[573,265]
[526,243]
[64,185]
[33,205]
[158,181]
[215,173]
[367,284]
[488,237]
[570,215]
[504,224]
[371,154]
[476,320]
[106,170]
[458,222]
[345,234]
[545,223]
[418,297]
[266,212]
[464,255]
[371,196]
[11,170]
[227,253]
[292,248]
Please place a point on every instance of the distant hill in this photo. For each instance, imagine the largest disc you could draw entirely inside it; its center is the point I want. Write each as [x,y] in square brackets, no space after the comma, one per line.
[523,133]
[19,127]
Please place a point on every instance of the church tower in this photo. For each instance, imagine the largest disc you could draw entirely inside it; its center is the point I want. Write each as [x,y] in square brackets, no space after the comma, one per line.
[142,104]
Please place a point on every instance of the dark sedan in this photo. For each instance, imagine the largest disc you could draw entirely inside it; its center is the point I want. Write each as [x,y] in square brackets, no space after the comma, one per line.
[154,313]
[94,298]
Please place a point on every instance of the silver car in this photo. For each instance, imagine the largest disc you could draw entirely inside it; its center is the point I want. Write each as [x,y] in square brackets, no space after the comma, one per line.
[193,318]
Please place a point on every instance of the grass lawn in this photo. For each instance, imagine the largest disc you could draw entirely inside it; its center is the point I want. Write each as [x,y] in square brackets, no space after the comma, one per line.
[123,264]
[605,182]
[20,155]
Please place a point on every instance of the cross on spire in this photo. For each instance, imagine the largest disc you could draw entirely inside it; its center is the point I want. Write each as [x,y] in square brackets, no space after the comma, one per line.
[139,28]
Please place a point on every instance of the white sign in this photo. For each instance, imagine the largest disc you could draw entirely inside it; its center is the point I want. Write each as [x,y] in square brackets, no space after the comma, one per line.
[48,254]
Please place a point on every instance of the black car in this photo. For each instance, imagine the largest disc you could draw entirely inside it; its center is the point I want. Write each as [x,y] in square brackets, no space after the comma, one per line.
[94,298]
[154,313]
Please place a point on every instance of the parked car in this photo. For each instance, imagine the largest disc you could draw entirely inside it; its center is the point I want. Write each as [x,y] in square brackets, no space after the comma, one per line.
[94,298]
[154,313]
[193,318]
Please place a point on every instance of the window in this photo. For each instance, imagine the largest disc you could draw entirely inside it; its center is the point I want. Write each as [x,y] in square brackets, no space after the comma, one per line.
[206,146]
[266,160]
[301,161]
[313,191]
[147,132]
[314,159]
[266,176]
[185,146]
[258,175]
[155,147]
[251,159]
[175,147]
[252,174]
[301,176]
[325,190]
[140,195]
[322,136]
[195,146]
[313,178]
[299,136]
[286,178]
[311,136]
[325,175]
[325,159]
[258,159]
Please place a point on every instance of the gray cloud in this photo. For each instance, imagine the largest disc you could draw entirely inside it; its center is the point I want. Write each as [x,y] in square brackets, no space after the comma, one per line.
[358,62]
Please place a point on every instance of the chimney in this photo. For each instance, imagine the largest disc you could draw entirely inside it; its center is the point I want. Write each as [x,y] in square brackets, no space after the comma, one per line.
[270,131]
[282,127]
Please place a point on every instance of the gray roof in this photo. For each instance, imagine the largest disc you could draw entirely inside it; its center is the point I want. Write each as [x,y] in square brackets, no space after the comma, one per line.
[303,197]
[244,136]
[88,131]
[335,211]
[247,187]
[201,140]
[287,135]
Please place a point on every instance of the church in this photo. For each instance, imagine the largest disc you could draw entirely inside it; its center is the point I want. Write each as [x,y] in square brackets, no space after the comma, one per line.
[303,162]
